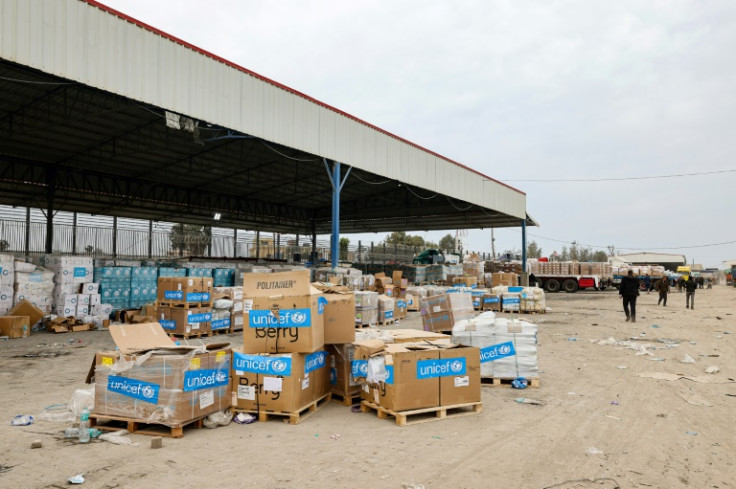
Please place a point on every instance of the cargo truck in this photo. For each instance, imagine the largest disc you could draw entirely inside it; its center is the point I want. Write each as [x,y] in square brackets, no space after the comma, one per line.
[570,276]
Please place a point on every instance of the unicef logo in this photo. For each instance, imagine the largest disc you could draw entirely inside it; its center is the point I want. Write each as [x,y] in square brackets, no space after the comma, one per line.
[505,349]
[456,366]
[299,317]
[364,368]
[220,377]
[147,392]
[278,365]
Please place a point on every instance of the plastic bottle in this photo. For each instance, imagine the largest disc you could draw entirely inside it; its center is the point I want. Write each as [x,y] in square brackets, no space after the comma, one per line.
[84,426]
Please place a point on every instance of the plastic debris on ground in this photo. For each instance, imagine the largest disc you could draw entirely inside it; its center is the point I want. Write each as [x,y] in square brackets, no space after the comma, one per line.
[336,436]
[593,451]
[526,400]
[712,370]
[118,438]
[220,418]
[691,433]
[244,418]
[77,479]
[22,420]
[687,359]
[519,383]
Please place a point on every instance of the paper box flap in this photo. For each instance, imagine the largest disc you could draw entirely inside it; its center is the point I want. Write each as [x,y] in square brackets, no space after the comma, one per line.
[25,308]
[331,289]
[131,338]
[371,346]
[295,283]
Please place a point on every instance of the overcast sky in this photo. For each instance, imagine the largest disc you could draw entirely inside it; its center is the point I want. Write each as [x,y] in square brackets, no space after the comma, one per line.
[521,90]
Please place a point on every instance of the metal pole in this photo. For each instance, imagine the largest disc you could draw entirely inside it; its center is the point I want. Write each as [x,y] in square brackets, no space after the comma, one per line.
[28,232]
[258,245]
[150,239]
[278,246]
[50,188]
[114,237]
[74,234]
[523,245]
[235,243]
[335,248]
[359,258]
[313,258]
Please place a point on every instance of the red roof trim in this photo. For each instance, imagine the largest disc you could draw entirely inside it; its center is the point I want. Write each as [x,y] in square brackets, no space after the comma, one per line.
[161,33]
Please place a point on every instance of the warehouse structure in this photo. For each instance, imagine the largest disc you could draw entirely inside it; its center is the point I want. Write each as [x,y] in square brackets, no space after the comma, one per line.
[103,114]
[669,261]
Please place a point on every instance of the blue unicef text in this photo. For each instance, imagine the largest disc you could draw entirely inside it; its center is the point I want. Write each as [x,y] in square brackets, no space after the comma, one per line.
[137,389]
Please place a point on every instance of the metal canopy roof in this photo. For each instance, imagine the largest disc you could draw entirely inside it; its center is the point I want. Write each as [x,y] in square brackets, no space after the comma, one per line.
[100,152]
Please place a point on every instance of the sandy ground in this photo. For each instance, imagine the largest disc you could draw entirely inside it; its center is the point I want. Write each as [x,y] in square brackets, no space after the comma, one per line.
[643,432]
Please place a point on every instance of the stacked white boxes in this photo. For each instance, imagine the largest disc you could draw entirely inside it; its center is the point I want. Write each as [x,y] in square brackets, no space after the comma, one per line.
[34,284]
[366,308]
[70,272]
[6,283]
[386,306]
[235,310]
[508,348]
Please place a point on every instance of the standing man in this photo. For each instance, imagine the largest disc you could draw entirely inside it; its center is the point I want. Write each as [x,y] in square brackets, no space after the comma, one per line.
[690,286]
[647,282]
[663,287]
[629,291]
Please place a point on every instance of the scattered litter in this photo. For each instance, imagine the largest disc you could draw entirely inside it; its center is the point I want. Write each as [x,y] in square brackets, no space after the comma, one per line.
[613,417]
[572,338]
[658,359]
[693,343]
[71,433]
[220,418]
[335,436]
[712,370]
[157,442]
[356,408]
[622,367]
[77,479]
[519,383]
[709,355]
[731,395]
[703,379]
[719,337]
[726,332]
[118,438]
[412,486]
[36,444]
[57,413]
[691,433]
[694,399]
[687,359]
[22,420]
[244,418]
[436,437]
[614,403]
[655,326]
[593,451]
[525,400]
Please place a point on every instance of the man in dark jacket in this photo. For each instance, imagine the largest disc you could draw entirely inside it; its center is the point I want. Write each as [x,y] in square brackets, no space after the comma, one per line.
[690,286]
[663,287]
[629,291]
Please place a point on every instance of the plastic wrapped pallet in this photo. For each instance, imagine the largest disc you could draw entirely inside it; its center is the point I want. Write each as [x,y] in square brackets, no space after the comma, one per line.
[7,270]
[508,348]
[386,306]
[414,295]
[366,307]
[532,300]
[34,284]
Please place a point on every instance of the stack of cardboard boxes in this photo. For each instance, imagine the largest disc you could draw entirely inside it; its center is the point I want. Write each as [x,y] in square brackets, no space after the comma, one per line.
[143,285]
[6,282]
[183,305]
[282,367]
[70,272]
[366,308]
[441,312]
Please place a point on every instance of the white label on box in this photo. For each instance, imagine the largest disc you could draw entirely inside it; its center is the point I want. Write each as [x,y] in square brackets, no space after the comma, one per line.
[189,329]
[462,381]
[178,286]
[247,304]
[272,384]
[195,326]
[239,373]
[206,399]
[437,308]
[305,383]
[366,388]
[191,283]
[247,392]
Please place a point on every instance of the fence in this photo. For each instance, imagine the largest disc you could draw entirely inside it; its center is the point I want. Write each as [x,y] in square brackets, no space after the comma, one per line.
[22,238]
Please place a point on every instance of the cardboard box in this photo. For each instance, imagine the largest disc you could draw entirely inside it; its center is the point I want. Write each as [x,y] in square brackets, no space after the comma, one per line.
[508,279]
[339,317]
[342,380]
[459,384]
[417,336]
[491,302]
[282,313]
[25,308]
[15,326]
[184,290]
[171,386]
[284,383]
[400,310]
[180,320]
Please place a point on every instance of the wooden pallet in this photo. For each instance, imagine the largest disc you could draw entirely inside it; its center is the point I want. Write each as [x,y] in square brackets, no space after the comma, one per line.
[386,322]
[220,331]
[367,325]
[184,305]
[416,416]
[233,329]
[412,309]
[294,417]
[349,400]
[187,336]
[523,312]
[141,427]
[506,382]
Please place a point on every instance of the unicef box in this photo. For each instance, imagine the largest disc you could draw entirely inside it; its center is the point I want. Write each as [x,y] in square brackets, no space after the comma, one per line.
[285,382]
[152,380]
[283,313]
[406,376]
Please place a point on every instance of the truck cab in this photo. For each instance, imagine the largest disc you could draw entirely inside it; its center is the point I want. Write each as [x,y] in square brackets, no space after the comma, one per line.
[684,271]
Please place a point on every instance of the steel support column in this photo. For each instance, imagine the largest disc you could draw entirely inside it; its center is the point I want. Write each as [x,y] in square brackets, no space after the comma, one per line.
[28,232]
[50,190]
[523,245]
[114,237]
[337,185]
[150,238]
[74,234]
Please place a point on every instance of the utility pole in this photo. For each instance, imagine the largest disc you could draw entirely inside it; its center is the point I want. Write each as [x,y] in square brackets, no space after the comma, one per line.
[493,246]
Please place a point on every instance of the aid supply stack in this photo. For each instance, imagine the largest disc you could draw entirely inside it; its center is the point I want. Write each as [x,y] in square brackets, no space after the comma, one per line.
[235,295]
[149,379]
[114,286]
[6,282]
[282,368]
[441,312]
[143,286]
[508,348]
[414,294]
[70,272]
[410,379]
[386,306]
[34,284]
[183,305]
[533,300]
[366,308]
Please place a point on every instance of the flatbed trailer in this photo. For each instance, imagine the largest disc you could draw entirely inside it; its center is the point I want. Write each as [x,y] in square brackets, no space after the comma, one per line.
[571,283]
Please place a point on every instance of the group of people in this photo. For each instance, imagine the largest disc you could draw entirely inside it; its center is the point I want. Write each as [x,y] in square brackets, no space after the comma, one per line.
[629,291]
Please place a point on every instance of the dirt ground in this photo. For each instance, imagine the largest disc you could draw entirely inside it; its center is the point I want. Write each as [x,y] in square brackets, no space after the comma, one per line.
[602,418]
